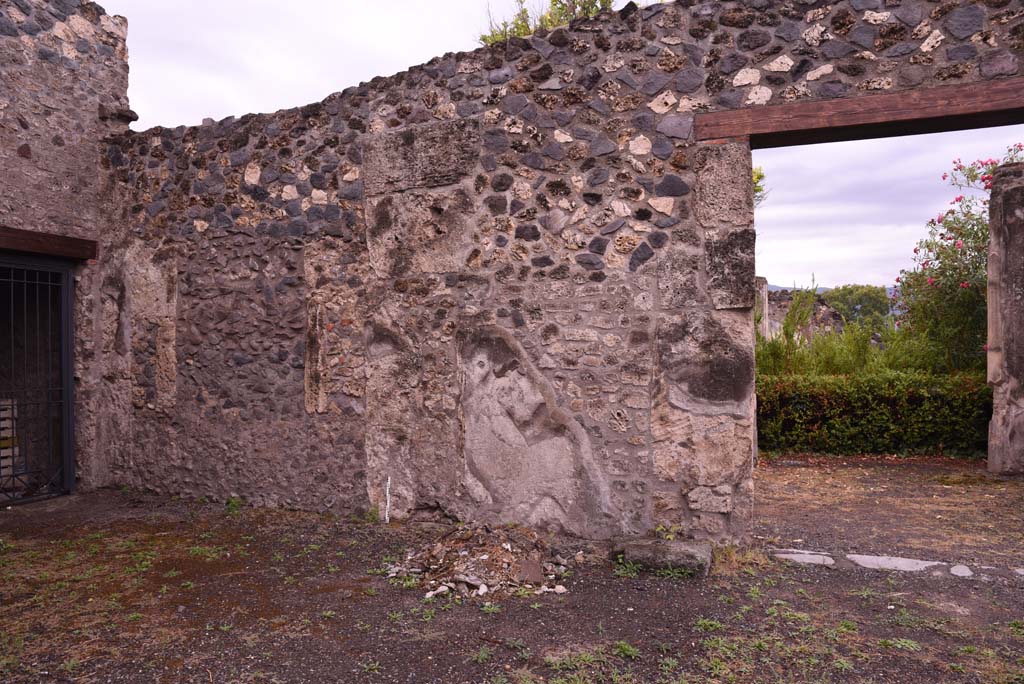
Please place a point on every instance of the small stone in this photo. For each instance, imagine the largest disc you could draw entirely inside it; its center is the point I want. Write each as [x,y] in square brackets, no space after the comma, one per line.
[559,589]
[640,145]
[660,553]
[964,22]
[816,35]
[821,71]
[753,39]
[613,227]
[676,126]
[602,146]
[932,41]
[252,174]
[961,571]
[806,558]
[998,63]
[780,64]
[732,63]
[654,83]
[745,77]
[598,245]
[529,232]
[642,254]
[25,151]
[759,95]
[837,49]
[891,563]
[561,136]
[877,18]
[663,102]
[591,262]
[671,186]
[662,205]
[961,53]
[832,89]
[863,36]
[689,80]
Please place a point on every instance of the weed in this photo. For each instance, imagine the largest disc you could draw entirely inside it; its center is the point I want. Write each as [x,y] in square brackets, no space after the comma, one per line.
[900,644]
[482,656]
[536,606]
[234,505]
[842,665]
[1017,627]
[668,665]
[327,614]
[206,552]
[626,650]
[625,568]
[674,573]
[705,625]
[372,666]
[406,582]
[491,608]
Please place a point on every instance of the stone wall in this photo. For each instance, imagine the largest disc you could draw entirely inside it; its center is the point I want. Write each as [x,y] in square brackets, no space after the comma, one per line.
[505,285]
[64,76]
[1005,324]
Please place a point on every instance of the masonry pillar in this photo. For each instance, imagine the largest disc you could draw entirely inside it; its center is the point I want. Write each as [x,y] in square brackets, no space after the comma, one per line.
[1006,321]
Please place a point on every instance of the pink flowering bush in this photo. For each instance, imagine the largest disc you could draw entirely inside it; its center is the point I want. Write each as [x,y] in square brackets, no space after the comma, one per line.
[941,300]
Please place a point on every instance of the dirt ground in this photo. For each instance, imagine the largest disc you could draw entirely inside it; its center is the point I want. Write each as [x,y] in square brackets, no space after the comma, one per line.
[126,587]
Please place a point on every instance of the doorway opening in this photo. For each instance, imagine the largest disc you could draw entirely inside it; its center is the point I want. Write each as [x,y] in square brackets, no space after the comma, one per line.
[36,404]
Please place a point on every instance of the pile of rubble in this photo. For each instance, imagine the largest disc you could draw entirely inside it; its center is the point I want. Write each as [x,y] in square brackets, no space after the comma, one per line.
[479,560]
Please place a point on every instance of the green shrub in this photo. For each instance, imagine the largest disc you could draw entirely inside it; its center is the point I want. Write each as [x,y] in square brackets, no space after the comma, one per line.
[881,413]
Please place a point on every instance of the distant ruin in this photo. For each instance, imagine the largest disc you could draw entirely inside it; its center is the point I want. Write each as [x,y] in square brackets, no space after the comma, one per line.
[515,284]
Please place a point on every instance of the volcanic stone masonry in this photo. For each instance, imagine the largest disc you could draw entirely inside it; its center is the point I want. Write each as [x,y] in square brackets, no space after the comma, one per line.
[505,285]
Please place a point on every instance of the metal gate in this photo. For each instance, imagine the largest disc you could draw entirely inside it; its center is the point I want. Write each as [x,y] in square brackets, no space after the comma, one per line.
[36,407]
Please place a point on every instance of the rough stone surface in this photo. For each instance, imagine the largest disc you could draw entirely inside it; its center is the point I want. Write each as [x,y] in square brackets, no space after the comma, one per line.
[504,285]
[666,554]
[1005,323]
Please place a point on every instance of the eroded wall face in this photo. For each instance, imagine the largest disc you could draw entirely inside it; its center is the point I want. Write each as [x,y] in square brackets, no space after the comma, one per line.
[507,285]
[63,87]
[1005,322]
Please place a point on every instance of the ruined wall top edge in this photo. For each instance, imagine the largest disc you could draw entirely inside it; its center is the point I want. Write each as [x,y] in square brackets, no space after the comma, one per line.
[691,57]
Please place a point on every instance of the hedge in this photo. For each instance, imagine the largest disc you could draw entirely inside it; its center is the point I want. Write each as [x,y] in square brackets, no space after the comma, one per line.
[885,413]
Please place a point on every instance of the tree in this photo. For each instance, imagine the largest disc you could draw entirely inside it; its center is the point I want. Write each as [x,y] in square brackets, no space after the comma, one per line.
[942,298]
[524,22]
[864,304]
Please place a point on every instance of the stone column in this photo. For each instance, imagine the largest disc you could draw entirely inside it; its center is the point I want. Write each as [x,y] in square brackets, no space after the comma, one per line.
[702,417]
[1006,321]
[761,306]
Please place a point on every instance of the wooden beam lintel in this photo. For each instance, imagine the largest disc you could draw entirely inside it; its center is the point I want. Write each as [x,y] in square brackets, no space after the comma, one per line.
[47,244]
[908,112]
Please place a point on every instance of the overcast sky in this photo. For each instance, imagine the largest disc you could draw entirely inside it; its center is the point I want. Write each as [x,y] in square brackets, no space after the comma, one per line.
[846,212]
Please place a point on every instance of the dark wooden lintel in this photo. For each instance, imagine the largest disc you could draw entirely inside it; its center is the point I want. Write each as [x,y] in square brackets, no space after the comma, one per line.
[908,112]
[46,244]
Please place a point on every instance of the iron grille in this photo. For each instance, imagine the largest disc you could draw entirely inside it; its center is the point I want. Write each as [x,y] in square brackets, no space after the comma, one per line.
[36,409]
